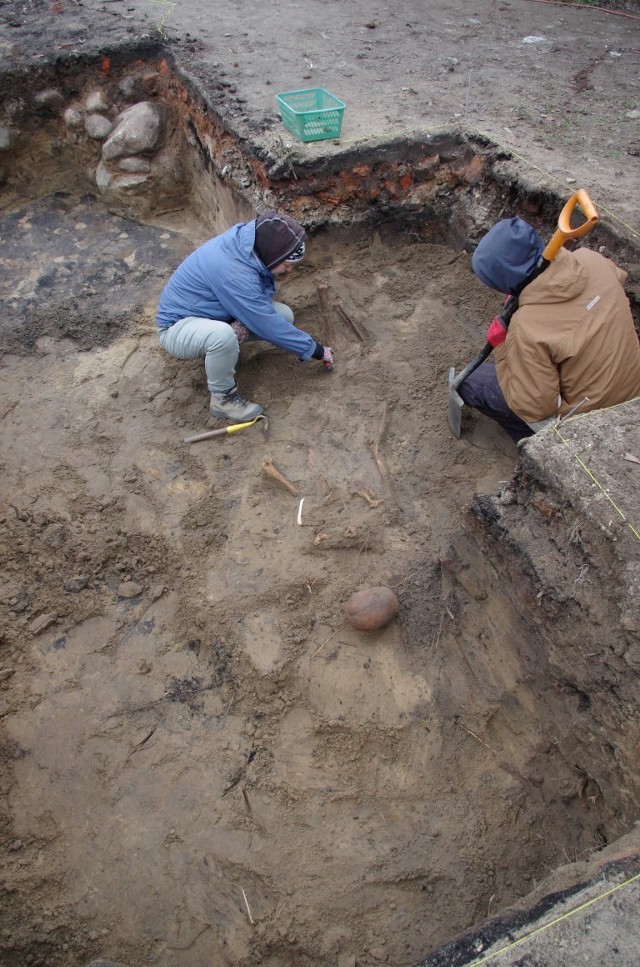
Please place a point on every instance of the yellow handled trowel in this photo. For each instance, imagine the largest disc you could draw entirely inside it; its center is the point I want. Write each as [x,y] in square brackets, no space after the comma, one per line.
[234,428]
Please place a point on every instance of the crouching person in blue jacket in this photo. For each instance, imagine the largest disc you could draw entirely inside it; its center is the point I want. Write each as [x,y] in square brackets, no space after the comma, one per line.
[222,294]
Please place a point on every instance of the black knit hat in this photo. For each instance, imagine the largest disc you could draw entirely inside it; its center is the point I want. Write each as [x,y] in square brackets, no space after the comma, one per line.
[277,237]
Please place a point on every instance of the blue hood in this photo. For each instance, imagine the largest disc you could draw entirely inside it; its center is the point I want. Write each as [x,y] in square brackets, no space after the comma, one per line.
[507,254]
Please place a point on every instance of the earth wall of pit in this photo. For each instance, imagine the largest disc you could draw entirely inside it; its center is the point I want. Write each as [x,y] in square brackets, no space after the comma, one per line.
[560,545]
[449,186]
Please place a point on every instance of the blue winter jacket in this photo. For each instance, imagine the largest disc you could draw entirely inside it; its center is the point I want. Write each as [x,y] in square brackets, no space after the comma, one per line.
[224,279]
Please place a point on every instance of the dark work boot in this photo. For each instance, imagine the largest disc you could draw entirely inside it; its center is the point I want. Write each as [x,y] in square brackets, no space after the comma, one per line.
[231,405]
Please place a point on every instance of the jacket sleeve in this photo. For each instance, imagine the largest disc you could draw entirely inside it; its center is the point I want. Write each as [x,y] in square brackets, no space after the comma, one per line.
[244,298]
[527,374]
[620,274]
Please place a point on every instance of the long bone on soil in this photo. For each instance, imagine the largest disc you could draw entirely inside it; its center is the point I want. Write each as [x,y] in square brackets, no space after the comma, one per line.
[269,469]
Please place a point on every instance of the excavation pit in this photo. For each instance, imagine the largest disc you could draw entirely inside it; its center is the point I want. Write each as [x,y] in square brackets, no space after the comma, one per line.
[204,762]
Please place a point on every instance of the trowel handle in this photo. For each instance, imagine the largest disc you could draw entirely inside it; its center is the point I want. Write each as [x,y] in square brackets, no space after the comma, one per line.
[228,429]
[206,436]
[564,231]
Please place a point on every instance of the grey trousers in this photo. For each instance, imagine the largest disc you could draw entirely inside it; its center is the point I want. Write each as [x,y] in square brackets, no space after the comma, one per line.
[212,340]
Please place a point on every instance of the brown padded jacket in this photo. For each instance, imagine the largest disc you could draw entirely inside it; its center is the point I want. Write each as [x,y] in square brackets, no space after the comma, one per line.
[572,336]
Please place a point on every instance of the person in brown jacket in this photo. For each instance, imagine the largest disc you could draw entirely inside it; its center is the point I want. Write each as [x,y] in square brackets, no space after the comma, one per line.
[571,342]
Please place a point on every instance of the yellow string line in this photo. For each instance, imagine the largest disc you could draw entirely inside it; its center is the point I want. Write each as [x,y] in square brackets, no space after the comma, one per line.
[559,919]
[526,161]
[593,478]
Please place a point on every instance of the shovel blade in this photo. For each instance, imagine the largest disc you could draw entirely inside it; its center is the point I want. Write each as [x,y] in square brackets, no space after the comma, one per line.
[455,406]
[455,382]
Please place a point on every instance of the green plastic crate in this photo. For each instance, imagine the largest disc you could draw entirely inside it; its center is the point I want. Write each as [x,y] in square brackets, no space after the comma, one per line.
[312,114]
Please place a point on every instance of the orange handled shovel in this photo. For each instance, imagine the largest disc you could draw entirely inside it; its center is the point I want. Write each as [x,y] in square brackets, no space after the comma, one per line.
[560,236]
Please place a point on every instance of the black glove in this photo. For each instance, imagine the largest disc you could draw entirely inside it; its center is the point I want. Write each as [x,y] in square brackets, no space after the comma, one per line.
[324,353]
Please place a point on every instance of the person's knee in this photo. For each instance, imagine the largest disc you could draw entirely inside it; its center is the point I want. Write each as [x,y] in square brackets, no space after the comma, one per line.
[480,388]
[221,339]
[471,391]
[193,337]
[284,310]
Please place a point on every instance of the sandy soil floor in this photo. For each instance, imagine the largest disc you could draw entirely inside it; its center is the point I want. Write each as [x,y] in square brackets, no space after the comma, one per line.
[209,763]
[203,762]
